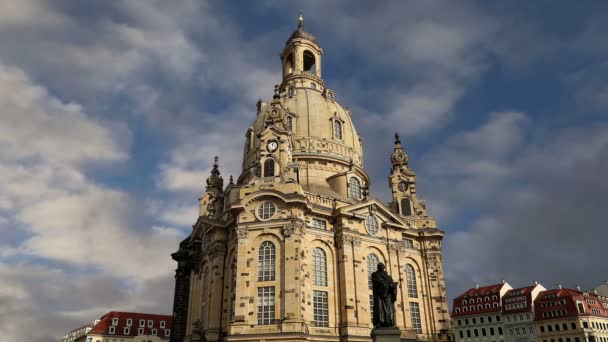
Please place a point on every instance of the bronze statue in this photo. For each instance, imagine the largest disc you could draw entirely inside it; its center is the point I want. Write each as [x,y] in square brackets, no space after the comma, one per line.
[385,295]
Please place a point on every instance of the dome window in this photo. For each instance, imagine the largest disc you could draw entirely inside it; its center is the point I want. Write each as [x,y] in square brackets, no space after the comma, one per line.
[288,65]
[354,188]
[269,167]
[337,130]
[406,207]
[290,123]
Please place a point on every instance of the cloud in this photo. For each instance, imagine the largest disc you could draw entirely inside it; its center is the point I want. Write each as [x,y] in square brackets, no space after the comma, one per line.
[537,216]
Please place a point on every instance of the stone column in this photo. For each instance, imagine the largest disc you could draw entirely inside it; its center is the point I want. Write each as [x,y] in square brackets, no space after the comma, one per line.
[242,302]
[349,271]
[217,256]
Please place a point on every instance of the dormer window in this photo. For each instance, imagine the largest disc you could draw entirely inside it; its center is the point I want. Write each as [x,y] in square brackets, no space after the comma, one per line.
[354,188]
[129,322]
[162,324]
[140,331]
[115,321]
[142,323]
[126,331]
[112,330]
[150,323]
[154,332]
[167,332]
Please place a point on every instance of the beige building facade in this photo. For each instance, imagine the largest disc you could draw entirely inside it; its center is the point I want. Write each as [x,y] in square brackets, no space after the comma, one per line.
[285,252]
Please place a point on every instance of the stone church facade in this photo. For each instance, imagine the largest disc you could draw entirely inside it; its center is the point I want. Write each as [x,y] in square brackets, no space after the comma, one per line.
[285,252]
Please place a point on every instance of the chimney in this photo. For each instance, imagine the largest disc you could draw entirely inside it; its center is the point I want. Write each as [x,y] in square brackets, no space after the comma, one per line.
[559,286]
[535,282]
[578,287]
[503,281]
[476,286]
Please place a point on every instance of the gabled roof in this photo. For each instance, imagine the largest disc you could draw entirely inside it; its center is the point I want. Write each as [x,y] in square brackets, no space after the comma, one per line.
[519,291]
[380,206]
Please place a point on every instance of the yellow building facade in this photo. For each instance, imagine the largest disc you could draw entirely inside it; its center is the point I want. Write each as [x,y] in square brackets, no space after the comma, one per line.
[285,252]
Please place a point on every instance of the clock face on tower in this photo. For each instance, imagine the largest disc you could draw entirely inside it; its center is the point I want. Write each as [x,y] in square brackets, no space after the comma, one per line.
[403,185]
[272,146]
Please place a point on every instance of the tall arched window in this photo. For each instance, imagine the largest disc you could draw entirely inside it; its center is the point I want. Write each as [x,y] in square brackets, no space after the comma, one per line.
[266,261]
[406,207]
[372,266]
[337,129]
[289,64]
[269,167]
[410,275]
[319,267]
[354,188]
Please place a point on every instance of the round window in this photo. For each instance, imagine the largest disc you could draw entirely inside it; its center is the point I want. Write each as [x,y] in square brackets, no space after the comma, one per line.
[266,210]
[371,224]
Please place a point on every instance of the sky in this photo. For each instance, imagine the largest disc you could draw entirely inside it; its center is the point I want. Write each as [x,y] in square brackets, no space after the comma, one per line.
[111,113]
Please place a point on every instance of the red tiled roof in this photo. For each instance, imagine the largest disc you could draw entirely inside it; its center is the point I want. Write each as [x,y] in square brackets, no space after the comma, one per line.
[487,300]
[103,327]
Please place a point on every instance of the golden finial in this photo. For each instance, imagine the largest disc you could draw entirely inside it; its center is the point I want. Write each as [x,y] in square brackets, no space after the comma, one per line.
[300,19]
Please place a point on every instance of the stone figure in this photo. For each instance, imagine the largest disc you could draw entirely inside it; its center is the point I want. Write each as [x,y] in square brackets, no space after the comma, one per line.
[385,295]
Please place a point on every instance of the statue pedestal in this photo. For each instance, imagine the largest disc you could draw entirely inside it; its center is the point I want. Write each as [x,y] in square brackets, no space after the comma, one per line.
[386,334]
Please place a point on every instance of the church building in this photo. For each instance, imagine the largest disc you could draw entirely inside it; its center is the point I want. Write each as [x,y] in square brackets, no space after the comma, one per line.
[285,252]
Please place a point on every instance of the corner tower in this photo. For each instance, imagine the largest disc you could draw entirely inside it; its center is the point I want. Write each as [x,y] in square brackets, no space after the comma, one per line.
[285,253]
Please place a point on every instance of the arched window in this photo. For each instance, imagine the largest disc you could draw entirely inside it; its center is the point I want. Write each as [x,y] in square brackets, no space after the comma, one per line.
[354,188]
[289,64]
[410,275]
[406,207]
[309,62]
[319,267]
[337,129]
[372,266]
[269,167]
[372,224]
[266,261]
[290,123]
[479,307]
[248,142]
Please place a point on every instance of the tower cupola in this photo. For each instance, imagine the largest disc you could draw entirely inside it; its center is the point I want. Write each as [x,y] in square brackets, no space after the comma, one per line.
[301,57]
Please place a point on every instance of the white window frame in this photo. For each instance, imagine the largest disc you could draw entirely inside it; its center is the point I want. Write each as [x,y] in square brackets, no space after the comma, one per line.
[266,305]
[410,274]
[112,330]
[162,324]
[415,317]
[167,332]
[319,267]
[154,332]
[320,308]
[126,330]
[355,193]
[371,224]
[115,321]
[266,210]
[142,322]
[150,323]
[267,256]
[140,331]
[129,322]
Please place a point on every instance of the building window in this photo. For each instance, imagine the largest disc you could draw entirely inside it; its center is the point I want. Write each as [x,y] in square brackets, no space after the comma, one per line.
[167,332]
[162,324]
[266,210]
[408,243]
[492,331]
[542,328]
[474,321]
[371,224]
[354,188]
[126,331]
[154,332]
[499,330]
[481,320]
[269,167]
[266,261]
[129,322]
[372,266]
[466,321]
[290,123]
[265,305]
[115,321]
[410,274]
[337,129]
[461,334]
[406,207]
[112,330]
[415,314]
[489,319]
[319,224]
[457,310]
[573,325]
[497,318]
[476,332]
[321,309]
[483,331]
[459,322]
[468,333]
[319,267]
[140,331]
[150,323]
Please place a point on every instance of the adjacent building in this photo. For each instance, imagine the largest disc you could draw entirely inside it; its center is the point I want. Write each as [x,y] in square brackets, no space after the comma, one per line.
[285,251]
[118,326]
[477,314]
[518,313]
[570,315]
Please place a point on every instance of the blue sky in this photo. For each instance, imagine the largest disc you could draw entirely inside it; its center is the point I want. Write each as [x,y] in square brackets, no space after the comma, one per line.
[111,113]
